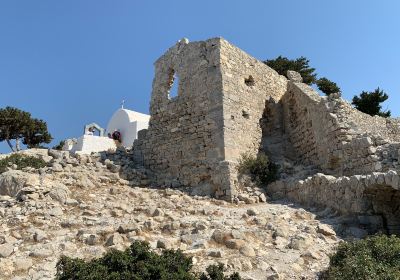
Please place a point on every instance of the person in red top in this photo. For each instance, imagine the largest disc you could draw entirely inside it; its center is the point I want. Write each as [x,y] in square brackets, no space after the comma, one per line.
[116,136]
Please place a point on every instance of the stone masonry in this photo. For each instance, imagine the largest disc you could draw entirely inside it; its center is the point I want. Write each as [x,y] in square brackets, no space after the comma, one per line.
[196,138]
[230,103]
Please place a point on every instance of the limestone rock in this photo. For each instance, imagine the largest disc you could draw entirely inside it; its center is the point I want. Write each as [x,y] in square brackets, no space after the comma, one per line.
[23,264]
[294,76]
[57,167]
[115,239]
[6,250]
[55,154]
[325,230]
[154,212]
[300,242]
[59,192]
[251,212]
[235,243]
[41,252]
[13,181]
[92,239]
[215,254]
[56,211]
[220,236]
[39,235]
[247,251]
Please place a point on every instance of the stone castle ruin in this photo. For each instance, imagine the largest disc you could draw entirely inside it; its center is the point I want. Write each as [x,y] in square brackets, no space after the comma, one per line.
[229,103]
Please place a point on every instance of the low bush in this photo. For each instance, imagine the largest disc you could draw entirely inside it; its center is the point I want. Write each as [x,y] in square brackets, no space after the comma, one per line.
[137,263]
[260,168]
[374,258]
[21,161]
[216,272]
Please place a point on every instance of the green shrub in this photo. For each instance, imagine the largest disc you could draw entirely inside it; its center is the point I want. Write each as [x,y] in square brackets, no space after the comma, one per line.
[216,272]
[136,262]
[21,161]
[374,258]
[260,168]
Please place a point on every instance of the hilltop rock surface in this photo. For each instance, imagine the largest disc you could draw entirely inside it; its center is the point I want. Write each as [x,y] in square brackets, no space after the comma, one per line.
[86,208]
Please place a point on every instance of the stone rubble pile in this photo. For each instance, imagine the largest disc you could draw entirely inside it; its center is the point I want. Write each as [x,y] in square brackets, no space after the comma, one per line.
[81,206]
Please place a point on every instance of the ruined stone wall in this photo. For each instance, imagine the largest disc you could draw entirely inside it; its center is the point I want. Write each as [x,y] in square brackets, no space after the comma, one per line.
[229,103]
[184,141]
[247,84]
[374,197]
[379,127]
[338,139]
[314,131]
[197,138]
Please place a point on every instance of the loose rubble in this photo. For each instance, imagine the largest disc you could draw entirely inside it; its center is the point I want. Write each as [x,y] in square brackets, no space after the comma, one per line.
[87,208]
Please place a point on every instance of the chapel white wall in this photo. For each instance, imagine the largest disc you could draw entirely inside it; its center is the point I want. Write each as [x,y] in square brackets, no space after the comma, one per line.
[86,144]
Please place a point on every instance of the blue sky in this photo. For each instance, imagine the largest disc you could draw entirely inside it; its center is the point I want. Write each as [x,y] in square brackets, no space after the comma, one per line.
[72,62]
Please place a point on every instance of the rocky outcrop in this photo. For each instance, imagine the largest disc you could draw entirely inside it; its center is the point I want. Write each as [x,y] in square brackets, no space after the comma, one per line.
[62,214]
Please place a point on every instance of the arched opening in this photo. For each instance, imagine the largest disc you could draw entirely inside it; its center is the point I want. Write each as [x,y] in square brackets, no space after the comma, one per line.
[93,129]
[274,142]
[385,210]
[173,84]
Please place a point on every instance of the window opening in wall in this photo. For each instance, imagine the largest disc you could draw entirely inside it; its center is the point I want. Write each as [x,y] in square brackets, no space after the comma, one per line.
[173,85]
[249,81]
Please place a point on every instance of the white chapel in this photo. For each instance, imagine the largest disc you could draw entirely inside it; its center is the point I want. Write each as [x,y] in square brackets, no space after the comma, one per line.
[125,123]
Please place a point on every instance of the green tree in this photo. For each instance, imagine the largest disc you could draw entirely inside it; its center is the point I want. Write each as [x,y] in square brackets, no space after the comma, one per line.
[327,86]
[369,102]
[283,64]
[36,134]
[18,125]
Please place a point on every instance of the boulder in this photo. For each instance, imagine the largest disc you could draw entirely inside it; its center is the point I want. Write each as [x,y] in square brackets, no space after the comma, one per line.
[59,192]
[41,252]
[221,236]
[294,76]
[39,235]
[325,230]
[247,251]
[115,239]
[215,253]
[55,211]
[235,243]
[251,212]
[6,250]
[57,167]
[300,242]
[55,154]
[13,181]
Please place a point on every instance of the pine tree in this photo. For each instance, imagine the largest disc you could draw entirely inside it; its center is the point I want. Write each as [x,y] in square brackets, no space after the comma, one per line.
[327,86]
[283,64]
[18,125]
[369,102]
